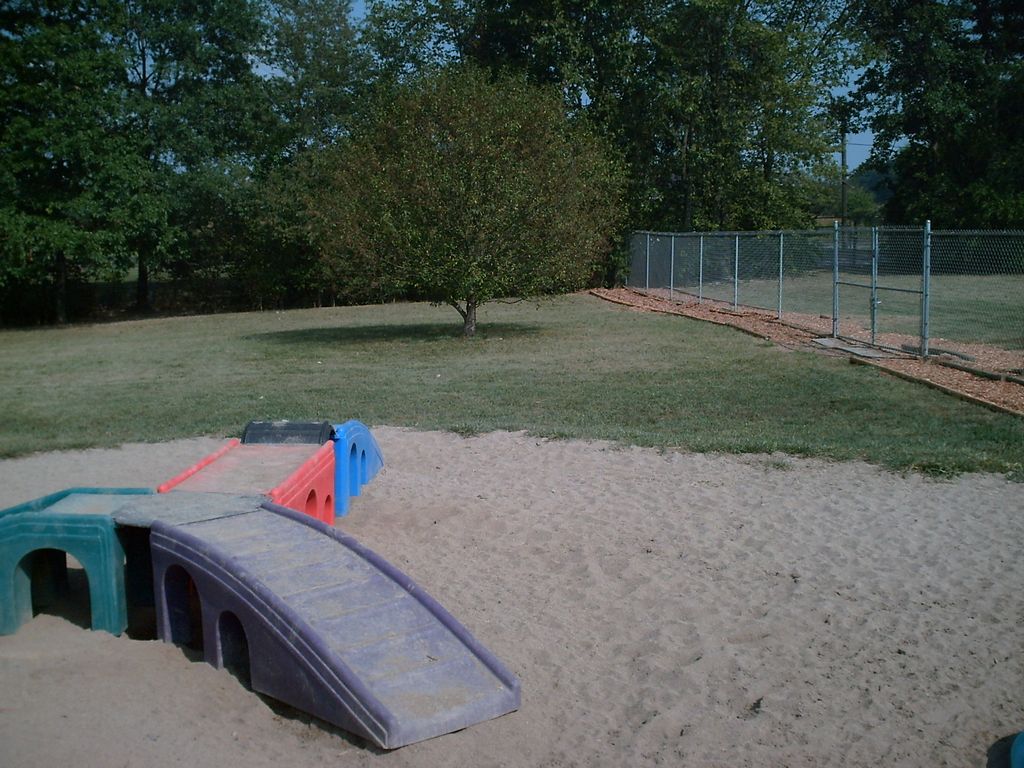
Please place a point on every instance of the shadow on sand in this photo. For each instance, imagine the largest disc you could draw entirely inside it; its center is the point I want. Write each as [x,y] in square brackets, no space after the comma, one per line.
[999,752]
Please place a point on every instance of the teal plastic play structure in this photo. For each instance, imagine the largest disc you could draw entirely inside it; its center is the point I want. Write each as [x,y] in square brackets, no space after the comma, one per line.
[319,621]
[34,538]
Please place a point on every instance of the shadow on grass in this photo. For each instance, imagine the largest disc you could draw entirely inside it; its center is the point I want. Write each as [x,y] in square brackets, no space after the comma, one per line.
[417,333]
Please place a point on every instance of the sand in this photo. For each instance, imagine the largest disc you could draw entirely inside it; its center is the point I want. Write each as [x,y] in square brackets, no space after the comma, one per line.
[660,608]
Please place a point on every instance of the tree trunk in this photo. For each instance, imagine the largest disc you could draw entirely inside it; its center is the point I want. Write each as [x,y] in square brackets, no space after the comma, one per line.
[142,287]
[60,289]
[469,320]
[687,184]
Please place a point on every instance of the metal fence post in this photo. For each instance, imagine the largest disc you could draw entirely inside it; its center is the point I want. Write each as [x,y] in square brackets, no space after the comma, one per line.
[736,274]
[835,279]
[700,271]
[780,274]
[647,277]
[926,279]
[874,283]
[672,268]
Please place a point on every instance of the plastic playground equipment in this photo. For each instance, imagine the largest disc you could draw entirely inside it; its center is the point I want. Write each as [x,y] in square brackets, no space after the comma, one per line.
[239,558]
[296,464]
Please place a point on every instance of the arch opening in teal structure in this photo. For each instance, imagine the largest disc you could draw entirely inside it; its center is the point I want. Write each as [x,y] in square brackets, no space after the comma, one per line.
[91,541]
[54,587]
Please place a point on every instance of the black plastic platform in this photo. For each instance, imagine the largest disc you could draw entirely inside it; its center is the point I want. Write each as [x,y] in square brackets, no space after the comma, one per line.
[287,432]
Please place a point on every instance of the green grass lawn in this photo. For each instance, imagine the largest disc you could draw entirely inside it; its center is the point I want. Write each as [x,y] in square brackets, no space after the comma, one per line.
[572,367]
[985,309]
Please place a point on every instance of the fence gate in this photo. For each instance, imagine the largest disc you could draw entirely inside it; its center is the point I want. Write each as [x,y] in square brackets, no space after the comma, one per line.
[880,286]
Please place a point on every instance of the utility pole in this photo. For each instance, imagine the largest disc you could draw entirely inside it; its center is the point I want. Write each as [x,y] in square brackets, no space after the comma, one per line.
[842,187]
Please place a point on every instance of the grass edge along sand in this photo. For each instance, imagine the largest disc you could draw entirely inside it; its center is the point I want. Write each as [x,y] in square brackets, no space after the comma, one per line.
[571,367]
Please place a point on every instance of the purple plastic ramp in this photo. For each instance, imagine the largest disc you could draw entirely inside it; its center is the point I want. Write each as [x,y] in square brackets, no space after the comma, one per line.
[330,627]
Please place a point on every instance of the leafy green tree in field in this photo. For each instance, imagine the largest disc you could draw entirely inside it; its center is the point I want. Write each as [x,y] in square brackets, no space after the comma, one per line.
[65,163]
[463,187]
[945,96]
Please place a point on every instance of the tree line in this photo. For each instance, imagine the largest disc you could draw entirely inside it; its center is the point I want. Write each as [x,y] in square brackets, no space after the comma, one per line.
[459,150]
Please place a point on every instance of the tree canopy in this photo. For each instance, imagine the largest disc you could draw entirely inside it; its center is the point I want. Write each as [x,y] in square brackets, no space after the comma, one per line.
[716,104]
[66,162]
[158,137]
[944,93]
[462,187]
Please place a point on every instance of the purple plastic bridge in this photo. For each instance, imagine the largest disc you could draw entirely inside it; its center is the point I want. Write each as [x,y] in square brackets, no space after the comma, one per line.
[330,627]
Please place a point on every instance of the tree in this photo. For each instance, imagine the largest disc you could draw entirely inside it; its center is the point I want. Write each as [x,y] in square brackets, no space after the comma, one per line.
[410,38]
[945,96]
[716,104]
[734,128]
[193,103]
[823,195]
[462,187]
[316,72]
[66,166]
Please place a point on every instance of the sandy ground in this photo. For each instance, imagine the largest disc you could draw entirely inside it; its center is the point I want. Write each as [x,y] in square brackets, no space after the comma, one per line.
[660,609]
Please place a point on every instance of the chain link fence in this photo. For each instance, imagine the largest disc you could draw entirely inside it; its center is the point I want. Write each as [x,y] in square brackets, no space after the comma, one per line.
[909,289]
